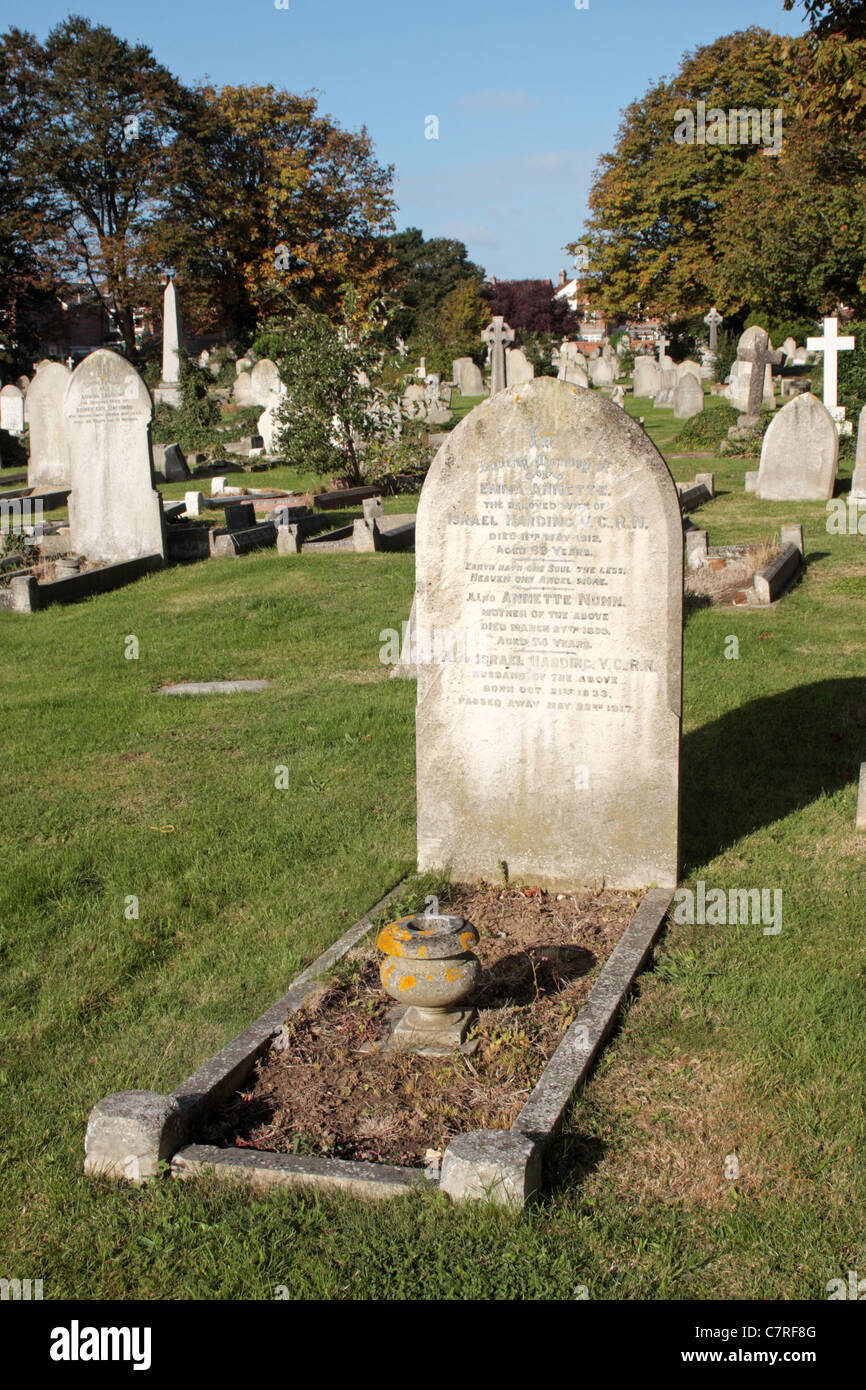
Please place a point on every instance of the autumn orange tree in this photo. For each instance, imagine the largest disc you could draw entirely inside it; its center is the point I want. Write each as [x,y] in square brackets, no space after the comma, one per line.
[272,205]
[654,235]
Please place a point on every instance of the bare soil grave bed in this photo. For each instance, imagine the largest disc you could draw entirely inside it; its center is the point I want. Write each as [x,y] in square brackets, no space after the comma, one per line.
[325,1095]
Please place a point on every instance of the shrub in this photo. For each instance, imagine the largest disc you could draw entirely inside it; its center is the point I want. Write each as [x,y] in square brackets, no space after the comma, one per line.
[707,430]
[726,354]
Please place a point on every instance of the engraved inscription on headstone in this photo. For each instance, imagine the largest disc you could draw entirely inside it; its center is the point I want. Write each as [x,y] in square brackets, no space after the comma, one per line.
[549,636]
[114,509]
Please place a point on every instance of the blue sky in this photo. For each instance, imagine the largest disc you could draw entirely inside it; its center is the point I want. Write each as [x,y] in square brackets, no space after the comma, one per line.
[527,93]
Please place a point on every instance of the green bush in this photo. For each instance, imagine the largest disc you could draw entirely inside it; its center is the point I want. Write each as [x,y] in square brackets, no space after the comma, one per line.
[408,454]
[151,371]
[726,354]
[749,448]
[707,430]
[272,341]
[852,370]
[538,348]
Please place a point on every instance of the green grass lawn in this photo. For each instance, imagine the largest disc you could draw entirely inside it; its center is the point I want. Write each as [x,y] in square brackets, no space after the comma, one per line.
[737,1043]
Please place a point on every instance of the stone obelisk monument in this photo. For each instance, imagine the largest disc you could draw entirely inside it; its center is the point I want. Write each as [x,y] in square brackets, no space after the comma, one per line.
[168,390]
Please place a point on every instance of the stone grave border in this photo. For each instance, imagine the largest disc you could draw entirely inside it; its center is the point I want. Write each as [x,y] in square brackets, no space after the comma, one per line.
[26,595]
[131,1134]
[777,577]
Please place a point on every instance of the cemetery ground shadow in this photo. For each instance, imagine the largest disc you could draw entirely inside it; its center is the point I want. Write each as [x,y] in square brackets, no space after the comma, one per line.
[765,759]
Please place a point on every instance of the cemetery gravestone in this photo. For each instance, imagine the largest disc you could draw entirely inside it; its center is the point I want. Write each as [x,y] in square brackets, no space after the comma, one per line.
[754,381]
[858,482]
[468,377]
[831,345]
[114,509]
[683,368]
[647,376]
[265,384]
[174,465]
[712,320]
[242,391]
[548,609]
[12,410]
[688,397]
[667,385]
[49,450]
[497,335]
[799,454]
[601,372]
[168,391]
[517,367]
[240,516]
[574,373]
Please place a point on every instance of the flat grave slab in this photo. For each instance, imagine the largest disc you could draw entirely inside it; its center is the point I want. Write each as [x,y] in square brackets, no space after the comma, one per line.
[214,687]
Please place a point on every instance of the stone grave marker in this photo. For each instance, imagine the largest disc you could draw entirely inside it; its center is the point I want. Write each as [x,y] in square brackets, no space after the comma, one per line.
[688,397]
[683,368]
[240,516]
[799,454]
[242,391]
[667,385]
[168,391]
[12,410]
[497,335]
[754,380]
[49,451]
[114,508]
[647,376]
[573,372]
[858,481]
[831,345]
[174,465]
[518,368]
[265,384]
[548,633]
[712,320]
[601,372]
[468,377]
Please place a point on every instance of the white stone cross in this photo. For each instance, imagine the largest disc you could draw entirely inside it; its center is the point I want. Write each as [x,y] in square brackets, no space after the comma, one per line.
[663,345]
[831,345]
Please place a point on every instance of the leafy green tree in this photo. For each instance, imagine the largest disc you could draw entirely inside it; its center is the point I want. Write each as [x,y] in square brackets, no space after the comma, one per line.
[92,158]
[654,238]
[422,274]
[834,16]
[794,228]
[451,329]
[23,287]
[332,411]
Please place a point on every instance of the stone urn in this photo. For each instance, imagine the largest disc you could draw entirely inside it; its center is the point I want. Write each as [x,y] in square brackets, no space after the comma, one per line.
[429,966]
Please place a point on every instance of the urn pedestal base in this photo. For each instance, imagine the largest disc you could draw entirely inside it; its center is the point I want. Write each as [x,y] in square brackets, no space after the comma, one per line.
[432,1031]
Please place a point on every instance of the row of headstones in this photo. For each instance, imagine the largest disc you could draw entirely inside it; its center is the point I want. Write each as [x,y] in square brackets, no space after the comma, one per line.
[670,384]
[90,433]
